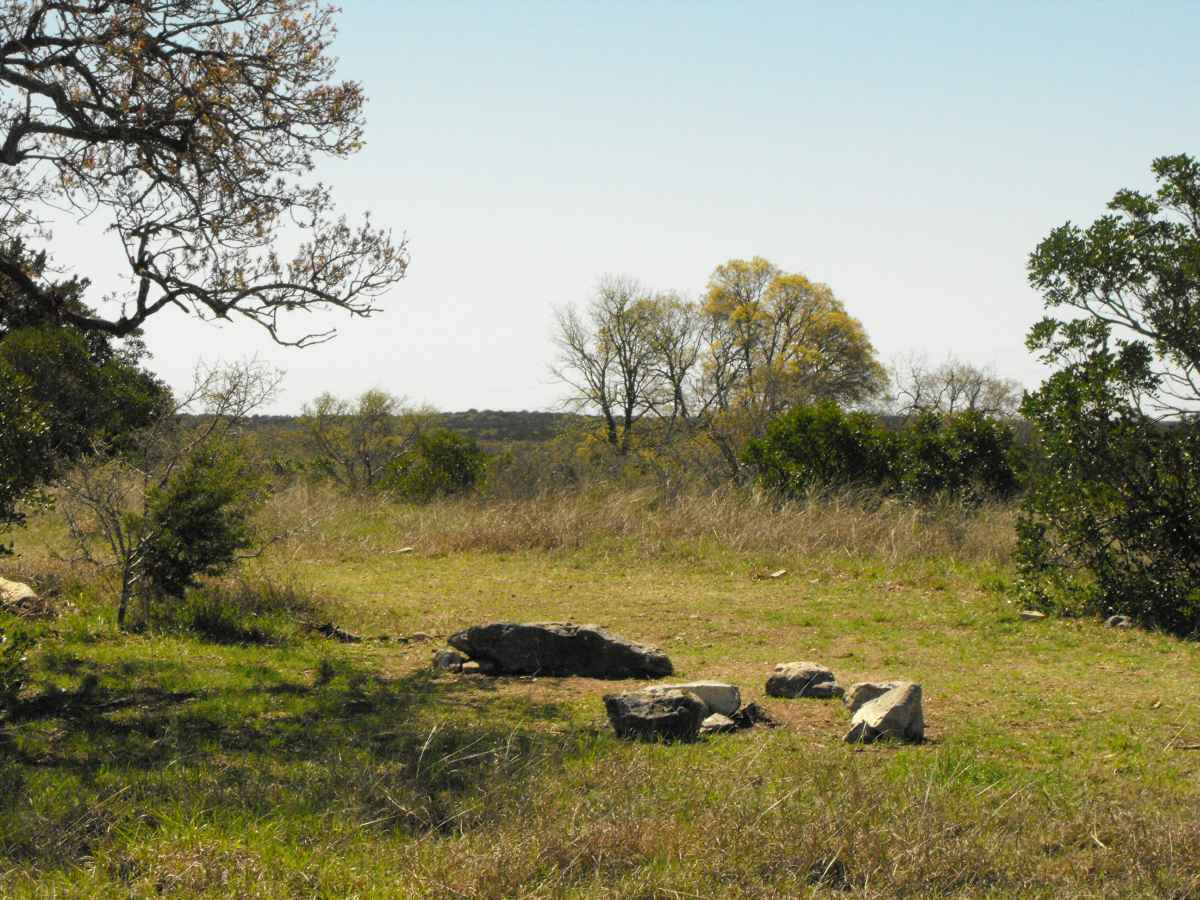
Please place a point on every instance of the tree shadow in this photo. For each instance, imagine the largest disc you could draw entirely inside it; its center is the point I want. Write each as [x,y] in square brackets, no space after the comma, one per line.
[417,753]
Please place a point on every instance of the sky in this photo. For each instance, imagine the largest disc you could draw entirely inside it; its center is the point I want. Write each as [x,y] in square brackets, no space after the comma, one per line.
[908,155]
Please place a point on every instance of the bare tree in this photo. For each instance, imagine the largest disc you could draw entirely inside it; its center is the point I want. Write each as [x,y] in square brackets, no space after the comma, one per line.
[189,128]
[356,440]
[950,387]
[607,356]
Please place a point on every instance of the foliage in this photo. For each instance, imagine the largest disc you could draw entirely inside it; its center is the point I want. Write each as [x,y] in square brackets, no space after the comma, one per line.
[197,522]
[441,464]
[965,456]
[25,459]
[760,342]
[14,667]
[821,446]
[173,501]
[357,442]
[1111,523]
[190,129]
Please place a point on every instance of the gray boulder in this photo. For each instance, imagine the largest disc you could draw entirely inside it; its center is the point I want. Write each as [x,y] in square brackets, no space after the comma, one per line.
[717,696]
[863,692]
[803,679]
[895,713]
[1119,622]
[658,716]
[559,648]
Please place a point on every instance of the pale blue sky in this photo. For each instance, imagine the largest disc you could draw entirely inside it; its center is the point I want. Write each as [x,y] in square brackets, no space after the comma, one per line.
[910,155]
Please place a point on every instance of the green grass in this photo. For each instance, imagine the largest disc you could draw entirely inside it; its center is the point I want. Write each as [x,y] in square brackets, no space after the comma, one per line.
[184,763]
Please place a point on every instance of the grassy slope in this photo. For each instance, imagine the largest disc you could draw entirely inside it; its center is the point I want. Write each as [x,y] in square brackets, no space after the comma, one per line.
[165,764]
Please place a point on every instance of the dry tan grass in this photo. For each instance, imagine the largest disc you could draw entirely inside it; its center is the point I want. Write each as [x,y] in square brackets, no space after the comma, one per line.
[642,522]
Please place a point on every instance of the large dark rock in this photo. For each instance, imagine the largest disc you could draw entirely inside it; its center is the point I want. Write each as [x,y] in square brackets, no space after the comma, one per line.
[558,648]
[671,715]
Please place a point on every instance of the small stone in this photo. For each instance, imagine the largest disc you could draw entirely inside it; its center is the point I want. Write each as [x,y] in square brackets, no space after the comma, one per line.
[718,724]
[448,661]
[660,716]
[803,679]
[477,667]
[895,714]
[419,636]
[1032,615]
[1119,622]
[752,714]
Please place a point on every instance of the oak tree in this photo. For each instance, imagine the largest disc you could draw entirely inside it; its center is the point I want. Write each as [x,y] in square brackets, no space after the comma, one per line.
[191,129]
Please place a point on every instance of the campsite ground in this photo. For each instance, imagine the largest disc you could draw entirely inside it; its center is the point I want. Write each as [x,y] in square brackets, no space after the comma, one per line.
[253,758]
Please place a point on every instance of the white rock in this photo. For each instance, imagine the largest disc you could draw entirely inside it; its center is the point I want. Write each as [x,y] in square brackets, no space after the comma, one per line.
[895,714]
[1032,615]
[14,592]
[717,724]
[719,697]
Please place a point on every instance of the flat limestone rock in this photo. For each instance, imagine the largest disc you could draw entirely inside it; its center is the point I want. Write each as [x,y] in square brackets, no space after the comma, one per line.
[659,716]
[897,713]
[717,696]
[803,679]
[559,648]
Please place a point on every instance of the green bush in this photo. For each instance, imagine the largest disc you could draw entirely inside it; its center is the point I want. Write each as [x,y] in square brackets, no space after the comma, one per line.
[963,456]
[443,463]
[198,522]
[246,612]
[822,446]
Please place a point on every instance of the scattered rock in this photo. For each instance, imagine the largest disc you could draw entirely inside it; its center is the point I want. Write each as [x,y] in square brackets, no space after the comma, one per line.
[752,714]
[418,636]
[1119,622]
[13,593]
[335,633]
[19,599]
[803,679]
[660,716]
[448,660]
[865,691]
[717,696]
[560,648]
[897,713]
[718,724]
[1032,615]
[477,667]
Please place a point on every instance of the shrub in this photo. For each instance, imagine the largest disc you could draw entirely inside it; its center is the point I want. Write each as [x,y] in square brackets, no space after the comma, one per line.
[822,446]
[246,612]
[442,464]
[960,455]
[199,520]
[965,455]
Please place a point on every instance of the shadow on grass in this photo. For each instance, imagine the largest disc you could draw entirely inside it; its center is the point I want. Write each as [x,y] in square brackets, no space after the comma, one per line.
[419,754]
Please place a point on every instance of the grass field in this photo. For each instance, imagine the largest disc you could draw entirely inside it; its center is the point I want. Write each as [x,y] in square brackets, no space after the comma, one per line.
[1062,757]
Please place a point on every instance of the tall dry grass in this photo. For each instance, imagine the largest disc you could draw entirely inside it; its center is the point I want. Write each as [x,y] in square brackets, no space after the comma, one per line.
[643,522]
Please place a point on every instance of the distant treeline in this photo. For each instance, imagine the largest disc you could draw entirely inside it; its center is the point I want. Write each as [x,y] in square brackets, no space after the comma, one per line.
[488,426]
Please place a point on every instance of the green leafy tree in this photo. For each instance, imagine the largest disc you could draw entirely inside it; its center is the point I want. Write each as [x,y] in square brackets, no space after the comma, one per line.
[1111,523]
[965,455]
